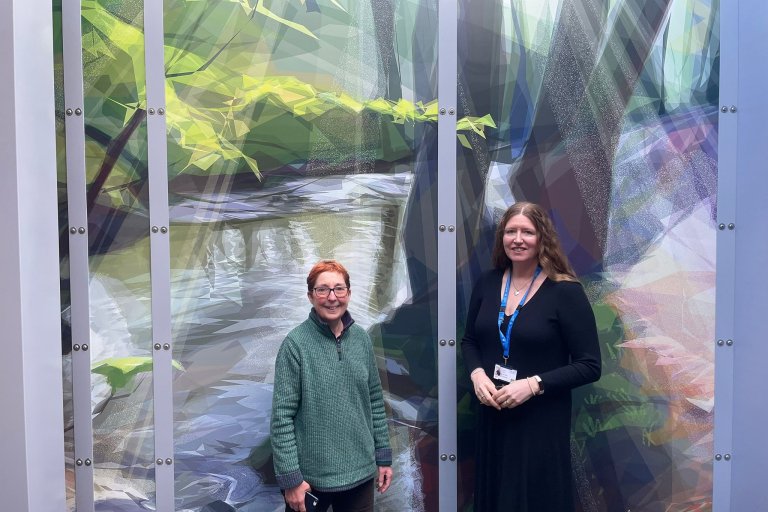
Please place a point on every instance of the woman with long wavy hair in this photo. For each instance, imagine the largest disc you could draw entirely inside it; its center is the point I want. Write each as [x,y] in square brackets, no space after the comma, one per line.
[530,338]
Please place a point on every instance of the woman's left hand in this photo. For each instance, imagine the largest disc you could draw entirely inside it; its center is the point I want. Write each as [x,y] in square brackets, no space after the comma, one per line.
[384,478]
[513,394]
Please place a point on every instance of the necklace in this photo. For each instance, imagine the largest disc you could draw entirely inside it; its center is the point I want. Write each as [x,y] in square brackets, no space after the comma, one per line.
[518,290]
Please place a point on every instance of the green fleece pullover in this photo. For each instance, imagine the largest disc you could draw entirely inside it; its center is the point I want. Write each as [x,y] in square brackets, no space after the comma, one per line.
[328,424]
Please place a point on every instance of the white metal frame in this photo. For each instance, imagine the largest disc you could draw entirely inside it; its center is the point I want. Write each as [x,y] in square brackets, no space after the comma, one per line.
[32,442]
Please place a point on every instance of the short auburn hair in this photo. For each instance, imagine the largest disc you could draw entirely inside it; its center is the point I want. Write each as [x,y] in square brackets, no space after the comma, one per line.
[325,266]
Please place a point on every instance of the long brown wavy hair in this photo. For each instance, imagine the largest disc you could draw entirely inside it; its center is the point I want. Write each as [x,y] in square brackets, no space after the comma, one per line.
[552,260]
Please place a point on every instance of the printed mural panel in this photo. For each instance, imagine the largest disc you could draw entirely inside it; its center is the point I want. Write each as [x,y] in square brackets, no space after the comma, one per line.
[305,130]
[607,116]
[298,131]
[275,160]
[119,282]
[66,301]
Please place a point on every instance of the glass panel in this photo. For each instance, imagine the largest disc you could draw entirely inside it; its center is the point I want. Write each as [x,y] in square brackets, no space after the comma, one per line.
[298,131]
[116,170]
[606,115]
[66,332]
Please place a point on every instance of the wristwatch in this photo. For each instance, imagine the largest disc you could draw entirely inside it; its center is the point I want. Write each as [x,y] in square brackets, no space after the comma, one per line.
[541,385]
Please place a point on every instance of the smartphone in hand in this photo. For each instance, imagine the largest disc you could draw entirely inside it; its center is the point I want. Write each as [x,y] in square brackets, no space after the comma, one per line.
[310,502]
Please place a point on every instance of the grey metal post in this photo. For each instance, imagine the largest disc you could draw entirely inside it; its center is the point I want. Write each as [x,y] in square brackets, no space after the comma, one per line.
[32,443]
[741,406]
[79,274]
[446,251]
[160,259]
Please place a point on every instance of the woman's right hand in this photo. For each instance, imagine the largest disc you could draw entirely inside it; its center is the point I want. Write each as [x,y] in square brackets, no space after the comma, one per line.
[295,496]
[485,390]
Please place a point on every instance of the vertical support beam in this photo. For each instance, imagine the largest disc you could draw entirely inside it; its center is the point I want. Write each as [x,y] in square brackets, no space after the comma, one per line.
[446,250]
[79,273]
[32,442]
[154,39]
[744,72]
[726,259]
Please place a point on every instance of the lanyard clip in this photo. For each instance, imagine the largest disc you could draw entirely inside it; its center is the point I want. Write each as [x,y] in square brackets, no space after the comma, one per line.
[505,361]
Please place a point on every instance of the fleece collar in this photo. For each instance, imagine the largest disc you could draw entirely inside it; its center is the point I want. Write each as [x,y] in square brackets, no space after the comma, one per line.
[346,321]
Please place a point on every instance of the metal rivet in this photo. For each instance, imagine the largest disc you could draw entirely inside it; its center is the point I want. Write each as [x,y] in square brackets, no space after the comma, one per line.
[451,228]
[720,342]
[78,112]
[442,343]
[167,346]
[73,230]
[85,347]
[442,111]
[163,229]
[452,457]
[729,343]
[733,108]
[169,461]
[451,342]
[160,111]
[724,109]
[727,456]
[451,112]
[718,457]
[443,457]
[731,226]
[151,111]
[79,462]
[69,111]
[81,230]
[159,462]
[442,227]
[155,229]
[76,348]
[158,346]
[87,462]
[721,226]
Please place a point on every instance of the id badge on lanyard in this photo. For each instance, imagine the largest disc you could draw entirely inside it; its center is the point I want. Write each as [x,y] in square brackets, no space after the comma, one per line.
[504,372]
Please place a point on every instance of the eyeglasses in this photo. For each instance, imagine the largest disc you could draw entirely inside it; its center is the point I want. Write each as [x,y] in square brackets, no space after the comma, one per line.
[324,291]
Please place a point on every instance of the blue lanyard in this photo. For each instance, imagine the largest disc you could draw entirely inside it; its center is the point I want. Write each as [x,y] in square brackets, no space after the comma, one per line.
[505,339]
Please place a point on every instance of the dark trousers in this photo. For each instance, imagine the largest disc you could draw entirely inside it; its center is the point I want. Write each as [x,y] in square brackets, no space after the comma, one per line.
[357,499]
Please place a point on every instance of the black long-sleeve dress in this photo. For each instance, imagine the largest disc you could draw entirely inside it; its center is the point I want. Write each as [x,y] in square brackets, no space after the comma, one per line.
[523,455]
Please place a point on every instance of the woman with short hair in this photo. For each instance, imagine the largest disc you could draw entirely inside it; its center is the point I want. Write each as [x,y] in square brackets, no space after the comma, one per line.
[329,431]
